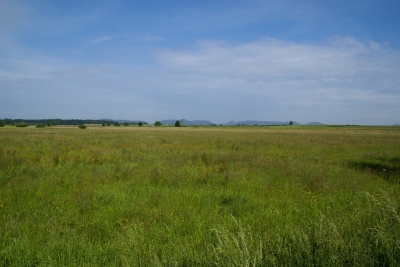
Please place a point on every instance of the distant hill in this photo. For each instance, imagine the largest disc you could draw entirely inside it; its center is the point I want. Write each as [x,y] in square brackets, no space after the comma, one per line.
[315,123]
[122,121]
[186,122]
[168,122]
[250,122]
[206,122]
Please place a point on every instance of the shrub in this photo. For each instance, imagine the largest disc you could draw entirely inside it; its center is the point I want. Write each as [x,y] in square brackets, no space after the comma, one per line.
[157,123]
[82,126]
[2,123]
[126,124]
[22,124]
[117,124]
[140,124]
[42,125]
[177,124]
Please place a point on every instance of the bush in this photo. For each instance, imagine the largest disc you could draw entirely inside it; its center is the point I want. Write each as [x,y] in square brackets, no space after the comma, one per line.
[2,123]
[177,124]
[22,124]
[42,125]
[126,124]
[140,124]
[157,123]
[82,126]
[117,124]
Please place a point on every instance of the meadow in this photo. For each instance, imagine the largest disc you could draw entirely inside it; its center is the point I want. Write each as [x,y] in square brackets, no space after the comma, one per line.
[200,196]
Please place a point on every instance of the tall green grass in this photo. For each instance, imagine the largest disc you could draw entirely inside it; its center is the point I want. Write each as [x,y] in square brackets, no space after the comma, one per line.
[279,196]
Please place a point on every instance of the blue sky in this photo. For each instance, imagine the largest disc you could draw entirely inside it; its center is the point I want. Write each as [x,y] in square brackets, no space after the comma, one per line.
[335,62]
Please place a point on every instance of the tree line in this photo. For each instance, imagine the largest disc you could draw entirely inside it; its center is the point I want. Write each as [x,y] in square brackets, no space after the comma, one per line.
[53,122]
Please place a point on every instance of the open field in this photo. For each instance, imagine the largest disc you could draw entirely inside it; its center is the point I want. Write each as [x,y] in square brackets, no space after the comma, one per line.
[205,196]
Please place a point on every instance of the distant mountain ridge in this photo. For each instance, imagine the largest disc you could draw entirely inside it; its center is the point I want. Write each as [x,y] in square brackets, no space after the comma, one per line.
[186,122]
[250,122]
[206,122]
[315,123]
[122,121]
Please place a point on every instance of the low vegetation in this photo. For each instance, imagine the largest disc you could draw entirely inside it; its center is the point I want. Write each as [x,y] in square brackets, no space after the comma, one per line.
[204,196]
[22,124]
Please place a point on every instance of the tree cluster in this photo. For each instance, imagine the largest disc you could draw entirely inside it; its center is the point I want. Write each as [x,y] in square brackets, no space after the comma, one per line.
[51,122]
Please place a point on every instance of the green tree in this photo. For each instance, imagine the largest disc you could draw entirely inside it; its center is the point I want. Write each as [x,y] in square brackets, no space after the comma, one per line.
[82,126]
[291,123]
[157,123]
[177,124]
[140,124]
[126,124]
[2,123]
[117,124]
[108,123]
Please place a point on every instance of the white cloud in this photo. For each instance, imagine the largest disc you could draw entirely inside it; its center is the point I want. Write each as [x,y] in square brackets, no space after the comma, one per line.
[308,80]
[274,64]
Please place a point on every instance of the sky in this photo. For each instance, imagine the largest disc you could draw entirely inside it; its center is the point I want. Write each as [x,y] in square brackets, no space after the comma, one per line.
[335,62]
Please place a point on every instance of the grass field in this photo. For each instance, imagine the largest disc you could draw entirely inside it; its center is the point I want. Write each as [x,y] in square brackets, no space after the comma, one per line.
[205,196]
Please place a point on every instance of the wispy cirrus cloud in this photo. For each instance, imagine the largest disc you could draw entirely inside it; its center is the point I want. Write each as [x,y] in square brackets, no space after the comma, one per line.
[136,37]
[147,38]
[103,39]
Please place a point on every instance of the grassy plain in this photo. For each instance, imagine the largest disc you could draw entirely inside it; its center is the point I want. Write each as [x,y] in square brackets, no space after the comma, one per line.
[212,196]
